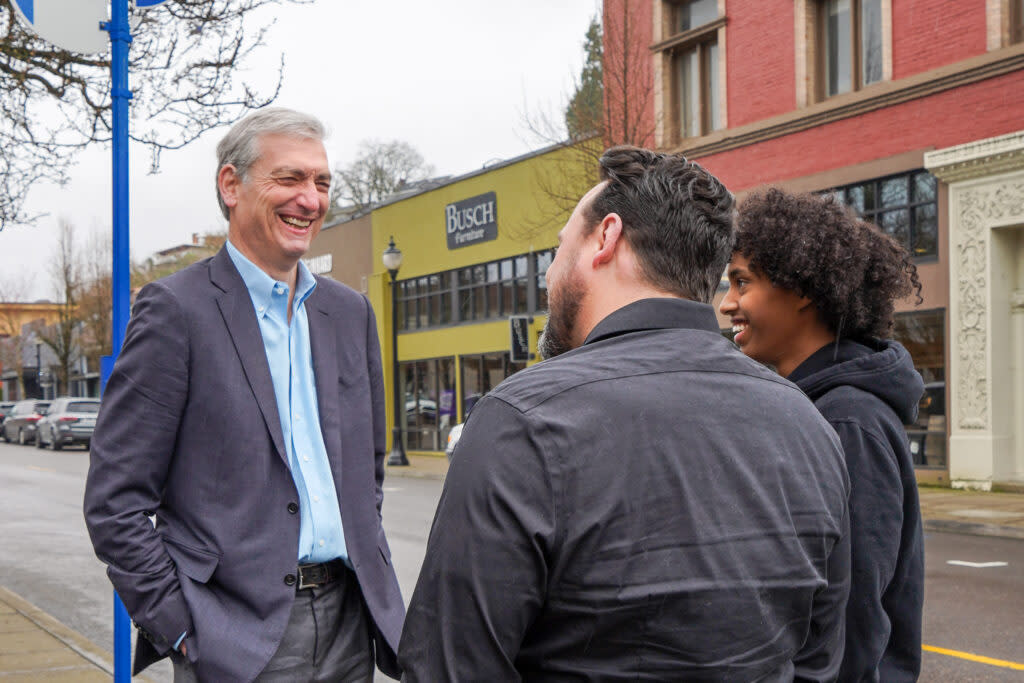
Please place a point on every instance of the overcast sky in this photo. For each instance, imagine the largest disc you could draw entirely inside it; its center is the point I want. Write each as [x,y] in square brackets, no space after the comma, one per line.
[455,78]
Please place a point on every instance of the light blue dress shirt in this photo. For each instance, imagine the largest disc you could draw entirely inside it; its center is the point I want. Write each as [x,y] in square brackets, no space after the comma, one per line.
[321,537]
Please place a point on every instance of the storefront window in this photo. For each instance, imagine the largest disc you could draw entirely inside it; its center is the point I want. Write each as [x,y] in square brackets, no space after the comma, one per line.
[923,334]
[544,260]
[429,390]
[485,291]
[481,373]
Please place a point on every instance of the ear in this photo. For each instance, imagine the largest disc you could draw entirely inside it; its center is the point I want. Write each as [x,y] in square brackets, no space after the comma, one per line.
[609,236]
[228,183]
[804,303]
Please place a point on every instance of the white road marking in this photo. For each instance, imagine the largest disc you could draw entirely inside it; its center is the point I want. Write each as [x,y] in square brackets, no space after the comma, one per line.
[41,469]
[977,565]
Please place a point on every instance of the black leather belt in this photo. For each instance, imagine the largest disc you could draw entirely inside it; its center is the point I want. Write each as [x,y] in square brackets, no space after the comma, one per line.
[311,575]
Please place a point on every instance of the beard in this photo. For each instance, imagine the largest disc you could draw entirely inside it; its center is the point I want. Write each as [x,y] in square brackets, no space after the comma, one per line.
[564,305]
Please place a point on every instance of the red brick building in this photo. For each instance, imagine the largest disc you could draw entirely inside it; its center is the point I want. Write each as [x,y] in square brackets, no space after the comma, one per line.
[912,111]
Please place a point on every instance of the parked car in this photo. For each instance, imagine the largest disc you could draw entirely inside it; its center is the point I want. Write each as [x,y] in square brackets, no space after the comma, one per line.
[5,408]
[453,438]
[68,421]
[20,423]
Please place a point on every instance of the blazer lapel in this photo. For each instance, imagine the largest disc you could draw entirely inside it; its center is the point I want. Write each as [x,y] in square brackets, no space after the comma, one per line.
[324,349]
[235,305]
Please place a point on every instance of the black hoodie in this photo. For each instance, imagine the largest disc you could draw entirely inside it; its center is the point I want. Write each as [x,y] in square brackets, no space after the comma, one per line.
[867,391]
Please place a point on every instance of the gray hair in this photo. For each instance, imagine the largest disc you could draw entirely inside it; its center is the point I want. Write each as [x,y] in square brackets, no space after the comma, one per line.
[240,147]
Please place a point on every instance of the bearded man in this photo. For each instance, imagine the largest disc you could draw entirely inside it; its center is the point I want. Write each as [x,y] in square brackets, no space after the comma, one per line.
[647,503]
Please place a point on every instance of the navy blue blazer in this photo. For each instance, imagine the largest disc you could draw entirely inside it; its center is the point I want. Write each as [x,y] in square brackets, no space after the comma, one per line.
[189,432]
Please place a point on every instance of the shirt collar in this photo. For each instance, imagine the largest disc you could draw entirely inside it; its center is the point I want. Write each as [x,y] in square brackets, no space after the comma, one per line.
[261,286]
[655,314]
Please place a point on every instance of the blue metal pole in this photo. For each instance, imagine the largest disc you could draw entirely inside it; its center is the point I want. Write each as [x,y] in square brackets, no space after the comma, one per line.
[120,40]
[120,37]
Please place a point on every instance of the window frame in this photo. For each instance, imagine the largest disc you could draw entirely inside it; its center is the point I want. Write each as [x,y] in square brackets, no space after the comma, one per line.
[670,51]
[809,51]
[856,54]
[705,124]
[490,298]
[432,435]
[872,215]
[1016,15]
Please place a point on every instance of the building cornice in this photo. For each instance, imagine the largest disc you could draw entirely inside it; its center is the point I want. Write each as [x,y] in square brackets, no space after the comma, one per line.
[873,97]
[991,156]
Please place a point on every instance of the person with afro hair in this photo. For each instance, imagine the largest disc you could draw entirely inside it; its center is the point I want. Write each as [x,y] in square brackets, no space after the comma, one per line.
[812,291]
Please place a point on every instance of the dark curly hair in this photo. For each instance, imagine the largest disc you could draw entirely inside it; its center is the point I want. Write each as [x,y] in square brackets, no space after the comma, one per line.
[677,218]
[819,248]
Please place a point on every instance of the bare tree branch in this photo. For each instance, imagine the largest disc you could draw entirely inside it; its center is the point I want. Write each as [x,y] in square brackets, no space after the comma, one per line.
[94,297]
[379,169]
[611,105]
[187,61]
[62,335]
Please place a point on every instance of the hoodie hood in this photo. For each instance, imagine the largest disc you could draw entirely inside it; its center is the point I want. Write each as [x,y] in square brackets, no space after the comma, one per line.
[885,370]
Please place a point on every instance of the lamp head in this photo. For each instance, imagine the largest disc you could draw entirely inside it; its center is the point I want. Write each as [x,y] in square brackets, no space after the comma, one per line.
[392,257]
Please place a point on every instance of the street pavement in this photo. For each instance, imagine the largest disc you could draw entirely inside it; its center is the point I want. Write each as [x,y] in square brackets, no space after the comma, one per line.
[55,600]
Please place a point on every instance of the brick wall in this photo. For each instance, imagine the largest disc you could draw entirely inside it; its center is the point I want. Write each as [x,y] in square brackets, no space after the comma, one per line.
[979,110]
[761,76]
[927,34]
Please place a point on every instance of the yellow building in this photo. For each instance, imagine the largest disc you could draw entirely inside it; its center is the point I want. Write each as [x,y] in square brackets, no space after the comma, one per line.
[475,250]
[18,365]
[15,315]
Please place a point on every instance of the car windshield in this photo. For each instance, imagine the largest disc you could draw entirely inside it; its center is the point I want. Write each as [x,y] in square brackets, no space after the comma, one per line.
[41,406]
[84,407]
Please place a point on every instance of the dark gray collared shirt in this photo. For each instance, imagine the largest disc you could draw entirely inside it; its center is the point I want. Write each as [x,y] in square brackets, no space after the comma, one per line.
[650,506]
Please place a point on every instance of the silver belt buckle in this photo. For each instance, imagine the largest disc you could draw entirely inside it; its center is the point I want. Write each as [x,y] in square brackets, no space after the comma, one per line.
[302,578]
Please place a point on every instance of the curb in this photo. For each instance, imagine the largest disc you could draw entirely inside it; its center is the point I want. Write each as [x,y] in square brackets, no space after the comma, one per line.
[73,640]
[411,473]
[973,528]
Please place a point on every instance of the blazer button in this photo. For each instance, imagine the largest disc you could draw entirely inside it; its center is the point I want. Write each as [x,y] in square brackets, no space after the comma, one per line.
[289,579]
[293,508]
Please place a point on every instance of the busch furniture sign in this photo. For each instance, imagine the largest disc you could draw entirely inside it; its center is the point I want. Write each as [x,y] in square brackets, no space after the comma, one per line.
[472,220]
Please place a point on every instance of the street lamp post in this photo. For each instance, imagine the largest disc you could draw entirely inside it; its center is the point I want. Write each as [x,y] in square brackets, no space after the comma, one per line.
[392,258]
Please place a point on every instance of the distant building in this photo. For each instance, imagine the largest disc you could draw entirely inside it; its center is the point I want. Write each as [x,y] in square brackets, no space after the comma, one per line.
[475,250]
[175,253]
[19,370]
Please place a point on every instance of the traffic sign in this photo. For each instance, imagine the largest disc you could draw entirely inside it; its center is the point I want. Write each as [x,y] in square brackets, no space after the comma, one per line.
[70,24]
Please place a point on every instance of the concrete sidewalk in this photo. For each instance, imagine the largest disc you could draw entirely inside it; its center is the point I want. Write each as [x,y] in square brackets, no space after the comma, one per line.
[36,647]
[972,512]
[421,467]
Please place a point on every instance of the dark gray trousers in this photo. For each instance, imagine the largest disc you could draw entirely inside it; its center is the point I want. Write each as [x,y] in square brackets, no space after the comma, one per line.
[327,640]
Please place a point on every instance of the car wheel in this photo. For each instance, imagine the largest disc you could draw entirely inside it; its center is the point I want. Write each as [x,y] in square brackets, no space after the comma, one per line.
[22,439]
[39,438]
[54,443]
